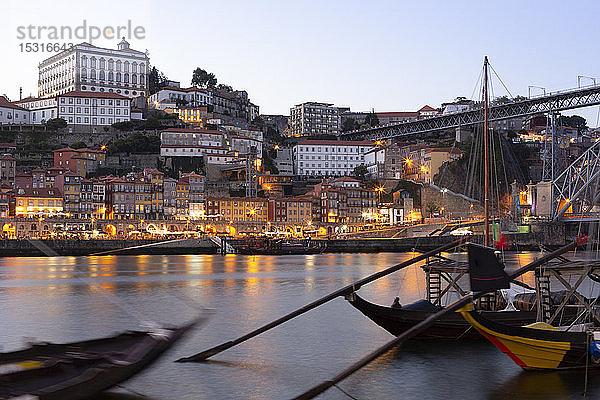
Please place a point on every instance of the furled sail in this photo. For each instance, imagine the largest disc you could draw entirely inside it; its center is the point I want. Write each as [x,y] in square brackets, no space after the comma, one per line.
[485,270]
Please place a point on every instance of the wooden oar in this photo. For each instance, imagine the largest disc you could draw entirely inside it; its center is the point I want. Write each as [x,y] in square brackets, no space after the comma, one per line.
[340,292]
[421,326]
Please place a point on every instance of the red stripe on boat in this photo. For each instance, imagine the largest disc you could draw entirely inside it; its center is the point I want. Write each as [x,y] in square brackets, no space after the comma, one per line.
[504,349]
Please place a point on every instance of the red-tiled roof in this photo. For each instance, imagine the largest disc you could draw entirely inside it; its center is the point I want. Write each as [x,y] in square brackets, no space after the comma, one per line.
[100,95]
[39,192]
[7,104]
[427,108]
[404,114]
[338,142]
[187,130]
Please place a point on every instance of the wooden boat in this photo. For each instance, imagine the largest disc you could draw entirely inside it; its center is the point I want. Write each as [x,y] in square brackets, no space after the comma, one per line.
[537,346]
[281,247]
[450,327]
[81,370]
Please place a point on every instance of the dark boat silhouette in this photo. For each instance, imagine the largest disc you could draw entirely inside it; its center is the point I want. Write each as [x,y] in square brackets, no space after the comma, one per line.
[81,370]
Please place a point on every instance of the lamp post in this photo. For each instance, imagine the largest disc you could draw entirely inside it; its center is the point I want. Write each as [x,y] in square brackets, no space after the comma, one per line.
[584,76]
[534,87]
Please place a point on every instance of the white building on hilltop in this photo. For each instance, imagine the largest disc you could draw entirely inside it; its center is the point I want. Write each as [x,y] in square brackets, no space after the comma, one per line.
[12,114]
[85,67]
[329,157]
[313,118]
[93,108]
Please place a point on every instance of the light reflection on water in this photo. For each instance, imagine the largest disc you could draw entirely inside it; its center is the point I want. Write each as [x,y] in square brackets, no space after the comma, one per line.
[74,298]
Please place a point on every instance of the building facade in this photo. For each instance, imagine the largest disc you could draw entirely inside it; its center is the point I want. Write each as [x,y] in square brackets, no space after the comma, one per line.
[329,157]
[93,108]
[313,118]
[85,67]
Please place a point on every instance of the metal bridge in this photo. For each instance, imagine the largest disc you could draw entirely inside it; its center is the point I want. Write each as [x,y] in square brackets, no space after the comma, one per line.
[553,102]
[576,189]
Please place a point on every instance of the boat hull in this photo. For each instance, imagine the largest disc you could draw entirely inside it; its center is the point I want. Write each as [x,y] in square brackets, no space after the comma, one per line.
[535,349]
[83,370]
[450,327]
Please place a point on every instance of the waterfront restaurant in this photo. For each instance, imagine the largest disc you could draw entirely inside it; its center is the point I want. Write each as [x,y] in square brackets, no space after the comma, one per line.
[35,202]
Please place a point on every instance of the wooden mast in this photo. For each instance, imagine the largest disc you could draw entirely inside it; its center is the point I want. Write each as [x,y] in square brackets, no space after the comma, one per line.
[486,153]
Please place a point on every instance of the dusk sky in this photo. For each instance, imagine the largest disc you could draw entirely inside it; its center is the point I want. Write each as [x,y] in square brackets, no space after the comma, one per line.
[385,55]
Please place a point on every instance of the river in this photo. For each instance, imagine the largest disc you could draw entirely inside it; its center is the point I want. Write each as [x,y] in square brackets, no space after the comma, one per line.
[65,299]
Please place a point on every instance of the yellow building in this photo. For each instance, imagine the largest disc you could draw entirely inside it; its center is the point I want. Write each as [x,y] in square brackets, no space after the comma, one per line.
[195,115]
[243,209]
[38,202]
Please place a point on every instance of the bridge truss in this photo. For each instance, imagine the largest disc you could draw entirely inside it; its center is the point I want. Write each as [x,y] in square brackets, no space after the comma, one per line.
[553,102]
[576,188]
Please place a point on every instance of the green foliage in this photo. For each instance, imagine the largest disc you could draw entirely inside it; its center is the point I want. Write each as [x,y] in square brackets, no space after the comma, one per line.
[269,163]
[156,80]
[360,171]
[153,123]
[136,143]
[432,208]
[350,124]
[371,119]
[574,121]
[187,164]
[78,145]
[55,124]
[124,126]
[222,86]
[203,79]
[411,187]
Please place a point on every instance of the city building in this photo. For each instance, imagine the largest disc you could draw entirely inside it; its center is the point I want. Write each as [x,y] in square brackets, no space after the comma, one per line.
[40,109]
[80,161]
[196,196]
[93,108]
[173,97]
[8,170]
[38,202]
[290,209]
[176,142]
[120,198]
[313,118]
[12,114]
[85,67]
[329,157]
[237,209]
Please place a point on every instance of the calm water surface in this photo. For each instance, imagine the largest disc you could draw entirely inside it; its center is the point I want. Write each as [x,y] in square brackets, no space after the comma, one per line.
[64,299]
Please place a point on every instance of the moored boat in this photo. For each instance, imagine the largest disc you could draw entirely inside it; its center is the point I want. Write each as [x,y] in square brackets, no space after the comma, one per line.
[538,346]
[81,370]
[450,327]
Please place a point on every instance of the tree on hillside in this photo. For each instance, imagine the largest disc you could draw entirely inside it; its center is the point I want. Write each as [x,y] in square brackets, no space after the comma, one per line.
[156,80]
[371,119]
[350,124]
[78,145]
[203,79]
[574,121]
[222,86]
[54,124]
[360,171]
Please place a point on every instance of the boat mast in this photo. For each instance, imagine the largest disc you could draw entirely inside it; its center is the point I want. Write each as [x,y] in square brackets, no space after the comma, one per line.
[486,152]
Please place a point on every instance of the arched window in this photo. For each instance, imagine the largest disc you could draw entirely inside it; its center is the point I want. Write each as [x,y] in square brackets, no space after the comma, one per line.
[126,66]
[134,79]
[84,61]
[142,68]
[101,75]
[126,78]
[93,74]
[118,77]
[84,73]
[111,64]
[93,62]
[142,79]
[118,65]
[111,76]
[134,68]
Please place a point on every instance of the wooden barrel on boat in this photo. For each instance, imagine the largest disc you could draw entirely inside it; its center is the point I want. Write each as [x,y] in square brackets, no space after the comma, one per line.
[525,301]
